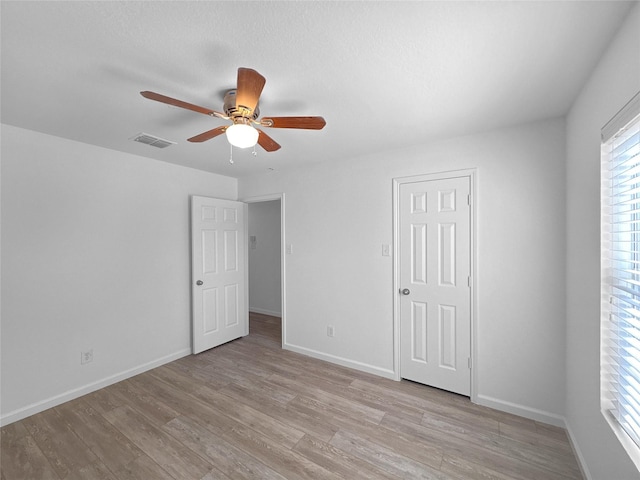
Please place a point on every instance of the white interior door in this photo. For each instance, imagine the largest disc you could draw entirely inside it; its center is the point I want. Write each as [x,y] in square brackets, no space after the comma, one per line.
[435,296]
[219,272]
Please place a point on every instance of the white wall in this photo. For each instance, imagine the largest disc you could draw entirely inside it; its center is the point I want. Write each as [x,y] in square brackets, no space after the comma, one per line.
[613,83]
[264,260]
[339,214]
[95,254]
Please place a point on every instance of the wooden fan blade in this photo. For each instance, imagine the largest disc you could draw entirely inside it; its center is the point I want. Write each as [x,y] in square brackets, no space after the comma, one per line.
[310,123]
[179,103]
[208,135]
[266,142]
[250,85]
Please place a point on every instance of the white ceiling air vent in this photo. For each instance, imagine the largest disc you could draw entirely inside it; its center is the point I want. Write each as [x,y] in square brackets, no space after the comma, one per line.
[152,140]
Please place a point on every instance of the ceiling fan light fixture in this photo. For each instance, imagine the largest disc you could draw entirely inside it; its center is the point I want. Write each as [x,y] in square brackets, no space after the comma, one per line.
[241,107]
[242,136]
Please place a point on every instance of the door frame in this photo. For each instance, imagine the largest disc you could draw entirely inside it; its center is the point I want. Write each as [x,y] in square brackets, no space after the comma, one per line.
[471,174]
[283,290]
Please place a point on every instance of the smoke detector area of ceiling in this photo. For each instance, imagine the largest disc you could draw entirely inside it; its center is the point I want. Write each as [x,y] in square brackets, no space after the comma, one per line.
[152,140]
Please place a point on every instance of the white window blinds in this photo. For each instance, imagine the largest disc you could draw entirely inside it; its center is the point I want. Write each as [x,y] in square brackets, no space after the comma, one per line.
[620,325]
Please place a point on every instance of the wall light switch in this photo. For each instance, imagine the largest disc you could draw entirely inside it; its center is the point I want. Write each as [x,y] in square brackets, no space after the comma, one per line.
[289,249]
[385,250]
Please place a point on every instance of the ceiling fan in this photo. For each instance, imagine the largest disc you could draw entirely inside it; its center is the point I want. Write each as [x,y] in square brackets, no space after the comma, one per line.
[241,107]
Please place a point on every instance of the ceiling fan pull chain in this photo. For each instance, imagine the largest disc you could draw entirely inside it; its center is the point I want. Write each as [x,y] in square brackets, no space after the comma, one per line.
[255,154]
[231,154]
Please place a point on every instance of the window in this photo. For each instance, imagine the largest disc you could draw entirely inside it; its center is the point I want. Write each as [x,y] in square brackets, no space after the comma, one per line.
[620,323]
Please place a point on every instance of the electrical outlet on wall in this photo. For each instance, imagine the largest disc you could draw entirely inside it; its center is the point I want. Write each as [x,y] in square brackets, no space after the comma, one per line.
[330,331]
[86,357]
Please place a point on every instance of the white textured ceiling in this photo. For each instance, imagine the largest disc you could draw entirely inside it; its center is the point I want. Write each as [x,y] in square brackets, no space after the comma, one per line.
[383,74]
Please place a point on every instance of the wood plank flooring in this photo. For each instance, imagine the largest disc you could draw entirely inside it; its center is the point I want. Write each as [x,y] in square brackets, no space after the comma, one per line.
[249,409]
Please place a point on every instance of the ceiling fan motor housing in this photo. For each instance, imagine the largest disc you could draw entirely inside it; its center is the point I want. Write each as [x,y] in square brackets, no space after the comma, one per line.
[237,112]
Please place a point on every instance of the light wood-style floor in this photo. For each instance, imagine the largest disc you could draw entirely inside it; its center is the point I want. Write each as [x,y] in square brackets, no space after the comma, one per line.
[249,409]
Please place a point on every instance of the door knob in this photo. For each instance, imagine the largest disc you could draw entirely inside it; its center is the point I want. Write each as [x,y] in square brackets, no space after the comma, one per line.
[405,291]
[199,282]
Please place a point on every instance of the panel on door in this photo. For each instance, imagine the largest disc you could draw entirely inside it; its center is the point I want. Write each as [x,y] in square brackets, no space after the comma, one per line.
[219,276]
[435,298]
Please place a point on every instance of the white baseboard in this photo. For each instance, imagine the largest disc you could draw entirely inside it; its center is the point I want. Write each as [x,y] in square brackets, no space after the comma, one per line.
[345,362]
[539,416]
[578,453]
[265,312]
[521,410]
[43,405]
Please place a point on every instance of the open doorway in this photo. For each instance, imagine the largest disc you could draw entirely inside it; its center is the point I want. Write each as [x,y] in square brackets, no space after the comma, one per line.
[265,246]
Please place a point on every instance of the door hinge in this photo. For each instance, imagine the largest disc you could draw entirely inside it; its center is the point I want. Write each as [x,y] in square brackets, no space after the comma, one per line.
[469,362]
[469,199]
[469,281]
